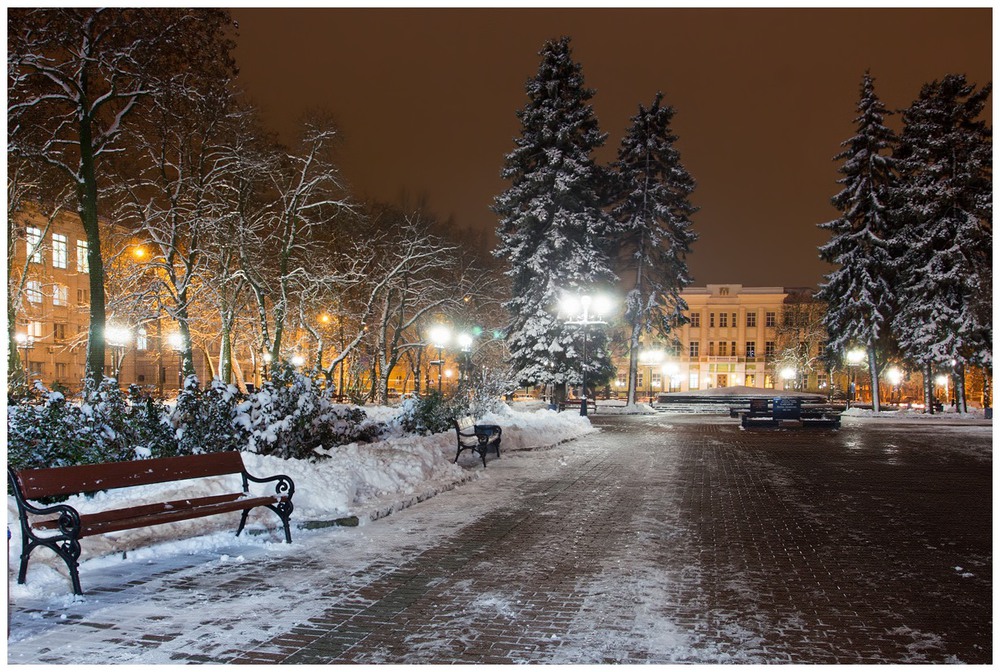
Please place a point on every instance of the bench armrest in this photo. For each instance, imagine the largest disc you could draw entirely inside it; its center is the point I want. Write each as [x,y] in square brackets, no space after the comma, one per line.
[69,518]
[283,484]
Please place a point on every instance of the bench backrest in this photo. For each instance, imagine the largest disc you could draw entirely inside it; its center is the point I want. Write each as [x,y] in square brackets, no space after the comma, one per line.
[36,483]
[465,423]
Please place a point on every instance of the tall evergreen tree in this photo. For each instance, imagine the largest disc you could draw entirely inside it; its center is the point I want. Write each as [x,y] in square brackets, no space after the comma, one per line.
[860,292]
[946,209]
[653,211]
[553,230]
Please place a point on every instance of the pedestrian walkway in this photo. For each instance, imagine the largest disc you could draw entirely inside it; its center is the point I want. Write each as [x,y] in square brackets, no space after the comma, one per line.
[662,539]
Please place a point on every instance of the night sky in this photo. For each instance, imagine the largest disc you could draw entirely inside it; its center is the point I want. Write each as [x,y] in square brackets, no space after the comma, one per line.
[426,102]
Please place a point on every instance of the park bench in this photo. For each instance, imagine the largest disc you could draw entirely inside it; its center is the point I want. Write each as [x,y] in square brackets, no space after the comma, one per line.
[787,412]
[477,438]
[60,527]
[574,404]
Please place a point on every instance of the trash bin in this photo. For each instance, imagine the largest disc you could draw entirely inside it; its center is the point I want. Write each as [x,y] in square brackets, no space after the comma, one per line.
[988,413]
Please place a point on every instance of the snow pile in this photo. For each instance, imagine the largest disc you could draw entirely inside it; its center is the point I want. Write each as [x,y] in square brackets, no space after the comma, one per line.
[362,480]
[914,414]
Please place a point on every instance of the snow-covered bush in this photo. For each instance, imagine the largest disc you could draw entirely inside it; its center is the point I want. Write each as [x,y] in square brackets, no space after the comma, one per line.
[209,420]
[291,415]
[431,413]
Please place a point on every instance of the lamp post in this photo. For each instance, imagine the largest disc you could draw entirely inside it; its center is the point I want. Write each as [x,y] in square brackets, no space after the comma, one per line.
[788,374]
[854,357]
[650,358]
[298,360]
[895,377]
[439,335]
[25,342]
[670,373]
[581,306]
[176,343]
[465,344]
[117,337]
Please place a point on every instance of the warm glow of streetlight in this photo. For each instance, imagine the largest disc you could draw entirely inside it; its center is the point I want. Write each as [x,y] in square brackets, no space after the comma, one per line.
[139,252]
[854,357]
[176,341]
[940,380]
[447,373]
[21,338]
[894,376]
[439,335]
[298,360]
[117,336]
[651,357]
[464,341]
[788,373]
[268,357]
[324,318]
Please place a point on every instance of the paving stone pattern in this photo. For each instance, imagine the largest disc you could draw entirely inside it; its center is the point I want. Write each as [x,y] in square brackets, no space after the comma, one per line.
[669,539]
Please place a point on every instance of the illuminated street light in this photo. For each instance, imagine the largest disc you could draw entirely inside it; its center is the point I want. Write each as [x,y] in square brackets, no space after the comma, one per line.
[788,374]
[671,372]
[650,358]
[895,377]
[298,360]
[439,335]
[27,343]
[118,338]
[854,357]
[465,345]
[586,308]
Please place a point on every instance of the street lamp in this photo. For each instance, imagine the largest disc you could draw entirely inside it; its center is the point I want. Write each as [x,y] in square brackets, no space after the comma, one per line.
[582,306]
[788,374]
[298,360]
[176,343]
[895,377]
[26,342]
[465,344]
[671,372]
[650,358]
[854,357]
[439,335]
[117,337]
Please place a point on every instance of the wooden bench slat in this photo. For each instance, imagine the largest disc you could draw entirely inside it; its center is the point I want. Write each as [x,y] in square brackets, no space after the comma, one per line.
[37,483]
[90,528]
[134,512]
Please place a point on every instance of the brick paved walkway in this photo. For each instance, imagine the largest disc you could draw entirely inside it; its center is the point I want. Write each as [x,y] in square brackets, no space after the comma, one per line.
[662,539]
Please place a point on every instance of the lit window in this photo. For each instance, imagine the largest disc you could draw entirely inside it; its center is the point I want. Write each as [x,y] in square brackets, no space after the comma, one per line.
[657,380]
[723,350]
[693,380]
[35,329]
[82,262]
[751,350]
[34,291]
[141,342]
[711,348]
[34,244]
[693,350]
[750,380]
[60,295]
[751,319]
[769,349]
[59,332]
[723,320]
[60,250]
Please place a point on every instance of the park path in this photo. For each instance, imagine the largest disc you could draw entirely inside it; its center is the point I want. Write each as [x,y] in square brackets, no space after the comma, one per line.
[661,539]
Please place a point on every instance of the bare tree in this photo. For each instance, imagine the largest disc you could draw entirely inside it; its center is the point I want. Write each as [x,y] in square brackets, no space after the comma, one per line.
[76,79]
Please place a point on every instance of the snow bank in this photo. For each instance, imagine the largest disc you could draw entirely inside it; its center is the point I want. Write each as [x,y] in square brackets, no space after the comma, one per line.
[363,480]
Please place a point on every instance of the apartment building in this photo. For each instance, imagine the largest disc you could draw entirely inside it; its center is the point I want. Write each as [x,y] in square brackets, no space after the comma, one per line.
[49,285]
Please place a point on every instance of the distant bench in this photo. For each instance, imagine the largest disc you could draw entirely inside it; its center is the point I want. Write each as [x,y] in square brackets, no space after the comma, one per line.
[786,412]
[575,404]
[60,527]
[477,438]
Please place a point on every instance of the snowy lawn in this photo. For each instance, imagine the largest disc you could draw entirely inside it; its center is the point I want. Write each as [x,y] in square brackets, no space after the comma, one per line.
[363,480]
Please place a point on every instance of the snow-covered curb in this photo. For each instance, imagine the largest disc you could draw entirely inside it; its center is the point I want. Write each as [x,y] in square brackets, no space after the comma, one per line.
[367,481]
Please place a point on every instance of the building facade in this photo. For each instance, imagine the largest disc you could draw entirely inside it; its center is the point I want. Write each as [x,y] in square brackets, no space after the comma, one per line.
[734,337]
[49,287]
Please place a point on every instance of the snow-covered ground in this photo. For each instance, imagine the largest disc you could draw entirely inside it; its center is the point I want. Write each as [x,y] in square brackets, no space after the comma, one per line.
[366,481]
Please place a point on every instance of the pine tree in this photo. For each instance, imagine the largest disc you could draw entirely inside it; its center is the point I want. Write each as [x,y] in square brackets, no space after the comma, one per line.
[552,230]
[860,293]
[946,207]
[654,213]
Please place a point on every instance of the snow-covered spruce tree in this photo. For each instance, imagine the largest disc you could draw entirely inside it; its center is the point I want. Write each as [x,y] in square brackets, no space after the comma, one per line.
[945,207]
[654,212]
[553,230]
[861,292]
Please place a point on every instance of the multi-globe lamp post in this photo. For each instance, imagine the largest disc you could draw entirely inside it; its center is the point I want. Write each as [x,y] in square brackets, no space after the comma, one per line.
[439,336]
[118,338]
[650,359]
[587,310]
[854,357]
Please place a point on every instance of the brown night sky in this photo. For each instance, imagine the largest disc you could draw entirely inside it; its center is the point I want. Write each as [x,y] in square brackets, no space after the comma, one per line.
[426,101]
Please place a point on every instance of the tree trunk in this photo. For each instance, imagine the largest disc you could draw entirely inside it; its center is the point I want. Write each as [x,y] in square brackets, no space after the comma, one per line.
[226,354]
[87,208]
[929,388]
[633,363]
[960,402]
[873,369]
